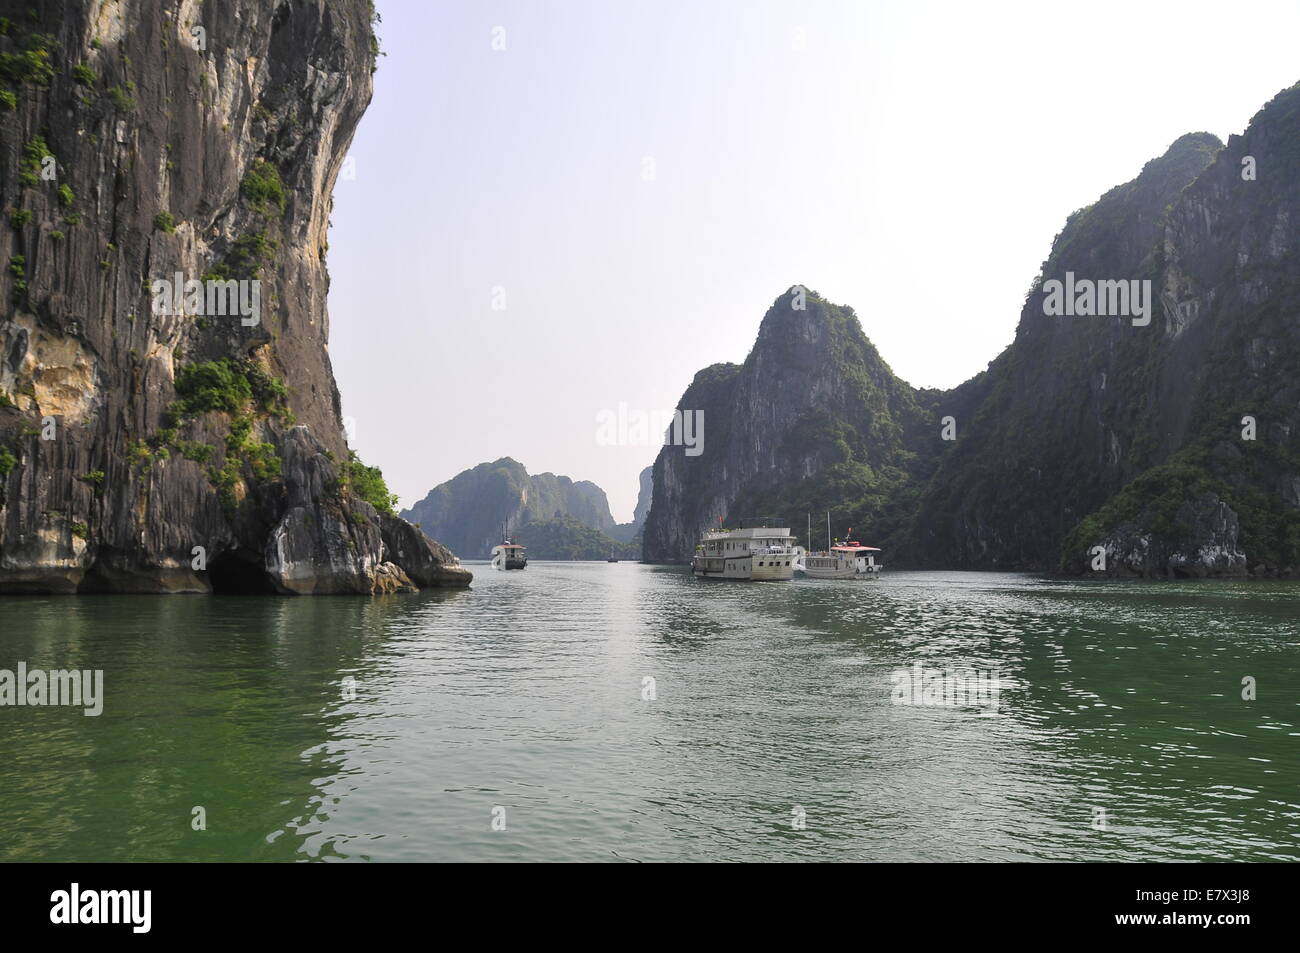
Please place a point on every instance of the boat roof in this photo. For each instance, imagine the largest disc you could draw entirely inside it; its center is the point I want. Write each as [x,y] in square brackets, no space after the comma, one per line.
[855,548]
[509,546]
[756,532]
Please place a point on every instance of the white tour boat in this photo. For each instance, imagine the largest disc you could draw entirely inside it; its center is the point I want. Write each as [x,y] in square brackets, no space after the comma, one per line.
[756,552]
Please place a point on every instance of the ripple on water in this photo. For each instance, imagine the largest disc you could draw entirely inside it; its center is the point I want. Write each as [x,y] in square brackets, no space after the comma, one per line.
[626,712]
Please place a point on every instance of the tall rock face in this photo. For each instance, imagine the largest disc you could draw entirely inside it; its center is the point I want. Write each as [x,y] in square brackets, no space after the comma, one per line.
[813,419]
[469,510]
[1068,418]
[1168,449]
[1096,442]
[1223,495]
[150,439]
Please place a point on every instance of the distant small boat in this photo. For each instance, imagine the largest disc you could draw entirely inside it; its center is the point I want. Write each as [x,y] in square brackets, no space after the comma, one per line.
[508,555]
[612,558]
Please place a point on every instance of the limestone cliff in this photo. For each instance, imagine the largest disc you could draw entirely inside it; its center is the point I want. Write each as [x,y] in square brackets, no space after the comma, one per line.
[1170,448]
[148,444]
[1093,443]
[1221,495]
[1067,420]
[813,419]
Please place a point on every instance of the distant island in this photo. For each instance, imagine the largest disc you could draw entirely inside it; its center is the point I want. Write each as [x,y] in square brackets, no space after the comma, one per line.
[555,517]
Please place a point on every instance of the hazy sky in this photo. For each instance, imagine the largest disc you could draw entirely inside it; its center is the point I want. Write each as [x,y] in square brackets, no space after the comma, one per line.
[911,160]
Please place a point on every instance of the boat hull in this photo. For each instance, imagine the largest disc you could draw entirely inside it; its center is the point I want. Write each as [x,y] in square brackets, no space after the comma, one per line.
[846,573]
[758,568]
[511,558]
[756,553]
[847,561]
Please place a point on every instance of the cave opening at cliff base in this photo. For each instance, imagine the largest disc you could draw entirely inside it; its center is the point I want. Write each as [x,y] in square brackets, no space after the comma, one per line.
[239,573]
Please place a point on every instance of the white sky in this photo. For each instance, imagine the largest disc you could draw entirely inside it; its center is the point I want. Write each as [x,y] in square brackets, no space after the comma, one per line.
[913,160]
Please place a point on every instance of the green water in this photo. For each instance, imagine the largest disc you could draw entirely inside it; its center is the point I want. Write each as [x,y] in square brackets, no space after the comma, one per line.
[525,695]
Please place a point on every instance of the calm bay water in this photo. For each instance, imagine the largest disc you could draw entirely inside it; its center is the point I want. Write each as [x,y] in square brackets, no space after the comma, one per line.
[525,694]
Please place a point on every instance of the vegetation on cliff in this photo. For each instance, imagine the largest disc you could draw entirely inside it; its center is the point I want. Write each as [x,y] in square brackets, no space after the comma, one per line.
[367,483]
